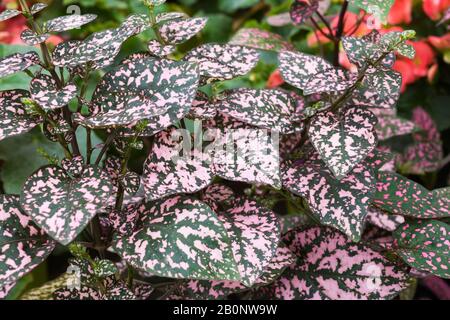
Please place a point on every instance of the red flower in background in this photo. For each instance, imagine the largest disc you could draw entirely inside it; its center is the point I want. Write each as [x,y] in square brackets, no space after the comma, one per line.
[401,12]
[11,29]
[275,80]
[435,8]
[440,43]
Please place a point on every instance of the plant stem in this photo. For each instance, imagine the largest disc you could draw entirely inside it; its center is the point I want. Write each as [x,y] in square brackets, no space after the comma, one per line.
[339,32]
[96,234]
[106,145]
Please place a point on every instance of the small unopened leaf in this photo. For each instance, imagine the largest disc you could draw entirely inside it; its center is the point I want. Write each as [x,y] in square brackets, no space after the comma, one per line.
[37,7]
[223,61]
[68,22]
[179,238]
[131,182]
[23,246]
[425,245]
[62,205]
[343,142]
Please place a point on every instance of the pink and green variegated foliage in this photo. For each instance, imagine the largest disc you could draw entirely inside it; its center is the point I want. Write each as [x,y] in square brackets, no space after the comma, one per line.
[331,267]
[210,183]
[63,205]
[399,195]
[23,246]
[179,237]
[425,245]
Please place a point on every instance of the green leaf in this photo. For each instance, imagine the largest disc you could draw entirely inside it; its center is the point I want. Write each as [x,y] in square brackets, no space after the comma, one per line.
[179,238]
[425,245]
[399,195]
[232,6]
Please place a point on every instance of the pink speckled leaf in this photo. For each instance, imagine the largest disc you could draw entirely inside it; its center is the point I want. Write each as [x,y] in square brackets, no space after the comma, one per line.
[267,109]
[63,206]
[45,92]
[426,153]
[331,80]
[254,232]
[167,16]
[8,14]
[247,155]
[38,7]
[6,289]
[68,22]
[179,31]
[343,143]
[17,62]
[31,38]
[379,88]
[14,119]
[125,221]
[74,166]
[365,50]
[302,10]
[218,290]
[23,246]
[342,204]
[142,89]
[390,125]
[168,171]
[399,195]
[298,68]
[58,126]
[425,245]
[223,61]
[383,220]
[219,197]
[202,108]
[331,267]
[159,50]
[260,39]
[179,237]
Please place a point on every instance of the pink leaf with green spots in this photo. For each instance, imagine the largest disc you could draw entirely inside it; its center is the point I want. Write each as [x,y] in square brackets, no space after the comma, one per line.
[168,170]
[267,109]
[68,22]
[44,90]
[345,141]
[383,220]
[302,10]
[260,39]
[342,204]
[254,232]
[399,195]
[153,87]
[23,246]
[247,155]
[331,267]
[177,31]
[179,237]
[31,38]
[219,197]
[17,62]
[62,205]
[202,108]
[425,245]
[159,50]
[223,62]
[390,125]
